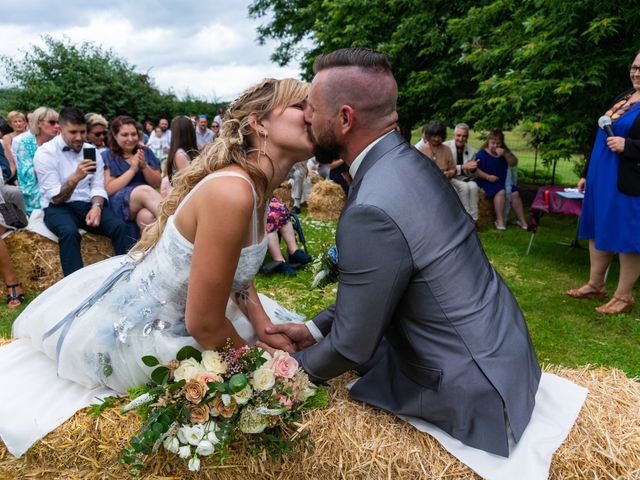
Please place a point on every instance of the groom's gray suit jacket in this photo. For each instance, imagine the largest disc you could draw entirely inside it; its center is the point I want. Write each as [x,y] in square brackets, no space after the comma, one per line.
[416,289]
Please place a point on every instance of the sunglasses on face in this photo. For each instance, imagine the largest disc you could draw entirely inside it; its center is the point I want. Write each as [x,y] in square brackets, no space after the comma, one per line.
[52,122]
[100,134]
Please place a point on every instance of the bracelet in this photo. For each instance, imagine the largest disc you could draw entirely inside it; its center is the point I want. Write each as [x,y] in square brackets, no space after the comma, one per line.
[96,204]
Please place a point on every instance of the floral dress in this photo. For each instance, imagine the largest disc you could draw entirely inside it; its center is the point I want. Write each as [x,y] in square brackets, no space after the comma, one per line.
[28,183]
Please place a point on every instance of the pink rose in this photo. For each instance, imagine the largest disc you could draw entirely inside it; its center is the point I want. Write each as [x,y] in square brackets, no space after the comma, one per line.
[283,365]
[209,377]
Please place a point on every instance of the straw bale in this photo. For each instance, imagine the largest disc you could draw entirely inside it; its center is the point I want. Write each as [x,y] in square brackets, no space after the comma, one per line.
[314,178]
[485,210]
[326,201]
[353,441]
[283,192]
[37,259]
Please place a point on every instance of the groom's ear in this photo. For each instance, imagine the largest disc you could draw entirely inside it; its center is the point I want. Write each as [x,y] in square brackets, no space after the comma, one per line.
[346,117]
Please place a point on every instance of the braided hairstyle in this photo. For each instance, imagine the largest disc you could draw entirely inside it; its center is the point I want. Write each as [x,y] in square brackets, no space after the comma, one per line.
[232,147]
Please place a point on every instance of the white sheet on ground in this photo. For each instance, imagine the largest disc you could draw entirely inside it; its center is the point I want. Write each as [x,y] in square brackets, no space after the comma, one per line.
[43,398]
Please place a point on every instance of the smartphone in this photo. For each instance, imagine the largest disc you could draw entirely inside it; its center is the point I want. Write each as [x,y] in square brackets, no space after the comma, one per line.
[90,154]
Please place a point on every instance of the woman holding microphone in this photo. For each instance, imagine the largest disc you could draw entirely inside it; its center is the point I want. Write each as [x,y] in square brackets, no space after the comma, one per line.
[611,210]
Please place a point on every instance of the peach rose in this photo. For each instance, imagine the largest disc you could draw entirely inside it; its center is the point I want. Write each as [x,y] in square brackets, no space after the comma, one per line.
[283,365]
[199,414]
[195,390]
[225,410]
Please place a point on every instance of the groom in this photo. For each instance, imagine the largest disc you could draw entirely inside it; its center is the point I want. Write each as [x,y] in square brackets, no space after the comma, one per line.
[420,311]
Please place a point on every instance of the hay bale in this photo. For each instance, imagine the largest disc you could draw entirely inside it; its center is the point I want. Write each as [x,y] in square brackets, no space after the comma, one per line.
[353,440]
[486,215]
[283,192]
[37,259]
[326,201]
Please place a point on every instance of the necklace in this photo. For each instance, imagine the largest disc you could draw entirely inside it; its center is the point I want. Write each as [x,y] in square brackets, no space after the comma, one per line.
[620,108]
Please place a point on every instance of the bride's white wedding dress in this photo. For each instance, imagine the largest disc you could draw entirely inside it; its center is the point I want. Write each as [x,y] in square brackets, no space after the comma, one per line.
[133,309]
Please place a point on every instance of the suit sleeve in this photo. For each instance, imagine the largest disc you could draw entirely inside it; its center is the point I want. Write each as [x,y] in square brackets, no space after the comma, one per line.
[375,268]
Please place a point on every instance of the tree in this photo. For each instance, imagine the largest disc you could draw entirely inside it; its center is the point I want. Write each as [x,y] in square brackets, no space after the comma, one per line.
[550,65]
[91,79]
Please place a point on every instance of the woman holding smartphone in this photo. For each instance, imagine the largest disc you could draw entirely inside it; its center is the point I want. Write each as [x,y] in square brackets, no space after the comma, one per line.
[131,175]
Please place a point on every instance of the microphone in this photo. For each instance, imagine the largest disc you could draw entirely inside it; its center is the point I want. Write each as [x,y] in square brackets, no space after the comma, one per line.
[604,122]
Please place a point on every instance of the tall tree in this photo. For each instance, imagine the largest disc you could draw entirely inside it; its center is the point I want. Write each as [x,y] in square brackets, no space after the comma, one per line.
[551,65]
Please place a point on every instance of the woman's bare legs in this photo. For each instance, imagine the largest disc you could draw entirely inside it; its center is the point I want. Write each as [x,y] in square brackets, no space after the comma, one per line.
[289,237]
[516,204]
[622,300]
[143,196]
[599,262]
[498,207]
[273,246]
[6,268]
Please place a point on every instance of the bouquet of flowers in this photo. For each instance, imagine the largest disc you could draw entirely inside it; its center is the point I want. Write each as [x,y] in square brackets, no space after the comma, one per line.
[201,402]
[325,268]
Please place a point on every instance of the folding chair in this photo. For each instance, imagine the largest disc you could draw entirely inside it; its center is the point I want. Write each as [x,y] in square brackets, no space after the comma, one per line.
[295,221]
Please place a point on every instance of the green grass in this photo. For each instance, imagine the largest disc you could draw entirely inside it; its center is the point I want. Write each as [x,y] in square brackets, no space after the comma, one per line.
[565,331]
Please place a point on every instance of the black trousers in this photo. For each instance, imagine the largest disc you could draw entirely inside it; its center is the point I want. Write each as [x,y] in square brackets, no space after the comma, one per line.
[64,221]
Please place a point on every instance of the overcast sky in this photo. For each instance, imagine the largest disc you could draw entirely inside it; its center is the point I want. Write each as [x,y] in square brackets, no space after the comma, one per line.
[208,48]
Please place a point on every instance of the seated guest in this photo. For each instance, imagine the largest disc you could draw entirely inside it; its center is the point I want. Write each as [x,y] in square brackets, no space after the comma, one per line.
[279,225]
[215,128]
[157,142]
[131,174]
[72,192]
[97,131]
[183,149]
[466,164]
[494,160]
[204,136]
[18,124]
[43,126]
[434,134]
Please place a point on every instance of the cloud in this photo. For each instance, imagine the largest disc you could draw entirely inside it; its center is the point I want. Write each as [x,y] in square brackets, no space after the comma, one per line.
[206,48]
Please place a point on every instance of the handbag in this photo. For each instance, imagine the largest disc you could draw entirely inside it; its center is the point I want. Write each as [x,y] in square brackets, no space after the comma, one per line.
[13,215]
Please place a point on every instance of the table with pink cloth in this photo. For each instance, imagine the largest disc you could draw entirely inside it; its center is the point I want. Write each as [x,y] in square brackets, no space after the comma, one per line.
[548,200]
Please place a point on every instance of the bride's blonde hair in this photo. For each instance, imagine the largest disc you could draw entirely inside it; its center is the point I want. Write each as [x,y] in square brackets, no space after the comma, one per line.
[230,148]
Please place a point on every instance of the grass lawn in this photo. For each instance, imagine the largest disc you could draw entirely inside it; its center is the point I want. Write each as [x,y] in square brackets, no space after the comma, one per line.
[565,331]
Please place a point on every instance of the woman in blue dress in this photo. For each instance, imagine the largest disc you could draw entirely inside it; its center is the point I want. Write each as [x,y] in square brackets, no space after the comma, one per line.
[131,175]
[494,160]
[611,210]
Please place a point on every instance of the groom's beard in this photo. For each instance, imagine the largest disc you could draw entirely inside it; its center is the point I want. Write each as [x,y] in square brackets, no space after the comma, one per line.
[326,148]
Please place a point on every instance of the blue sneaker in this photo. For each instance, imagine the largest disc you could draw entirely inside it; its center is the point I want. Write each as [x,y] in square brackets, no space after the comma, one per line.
[299,258]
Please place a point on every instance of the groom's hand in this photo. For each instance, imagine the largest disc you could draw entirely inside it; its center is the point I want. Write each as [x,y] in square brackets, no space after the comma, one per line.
[297,332]
[276,341]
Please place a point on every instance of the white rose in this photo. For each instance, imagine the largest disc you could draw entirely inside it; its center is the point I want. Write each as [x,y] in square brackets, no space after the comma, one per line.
[212,363]
[184,452]
[266,355]
[243,396]
[191,434]
[187,370]
[194,464]
[205,448]
[171,444]
[263,379]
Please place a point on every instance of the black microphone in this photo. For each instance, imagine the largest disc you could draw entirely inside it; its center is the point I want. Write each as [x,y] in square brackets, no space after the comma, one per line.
[604,122]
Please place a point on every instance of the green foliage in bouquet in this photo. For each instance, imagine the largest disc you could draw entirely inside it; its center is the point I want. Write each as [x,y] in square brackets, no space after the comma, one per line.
[200,403]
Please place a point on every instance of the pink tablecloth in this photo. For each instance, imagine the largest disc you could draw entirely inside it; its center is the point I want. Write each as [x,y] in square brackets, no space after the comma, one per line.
[548,201]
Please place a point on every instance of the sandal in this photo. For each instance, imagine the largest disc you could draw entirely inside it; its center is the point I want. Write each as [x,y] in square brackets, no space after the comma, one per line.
[592,293]
[625,305]
[14,299]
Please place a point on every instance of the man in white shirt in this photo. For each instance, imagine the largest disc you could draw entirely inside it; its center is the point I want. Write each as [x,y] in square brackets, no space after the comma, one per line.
[204,136]
[166,132]
[72,191]
[466,165]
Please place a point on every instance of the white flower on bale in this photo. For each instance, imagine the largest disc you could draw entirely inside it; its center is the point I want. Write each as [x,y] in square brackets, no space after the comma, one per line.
[243,396]
[184,451]
[205,448]
[251,421]
[187,370]
[194,464]
[263,379]
[171,444]
[191,434]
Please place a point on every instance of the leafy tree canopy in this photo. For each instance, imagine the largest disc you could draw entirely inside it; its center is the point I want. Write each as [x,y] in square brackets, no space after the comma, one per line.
[93,80]
[551,65]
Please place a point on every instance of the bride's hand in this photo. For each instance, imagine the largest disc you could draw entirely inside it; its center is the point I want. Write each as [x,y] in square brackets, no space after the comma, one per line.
[277,341]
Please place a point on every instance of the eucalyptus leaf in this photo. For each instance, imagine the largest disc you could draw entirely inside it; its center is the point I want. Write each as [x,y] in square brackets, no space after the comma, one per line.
[150,361]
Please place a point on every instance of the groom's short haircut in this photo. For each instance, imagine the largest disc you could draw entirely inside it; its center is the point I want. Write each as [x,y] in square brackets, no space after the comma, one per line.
[365,58]
[71,115]
[361,78]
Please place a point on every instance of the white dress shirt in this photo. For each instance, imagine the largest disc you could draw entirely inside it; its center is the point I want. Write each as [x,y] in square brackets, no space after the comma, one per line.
[53,167]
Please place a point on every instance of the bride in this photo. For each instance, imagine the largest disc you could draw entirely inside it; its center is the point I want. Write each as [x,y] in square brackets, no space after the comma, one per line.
[189,279]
